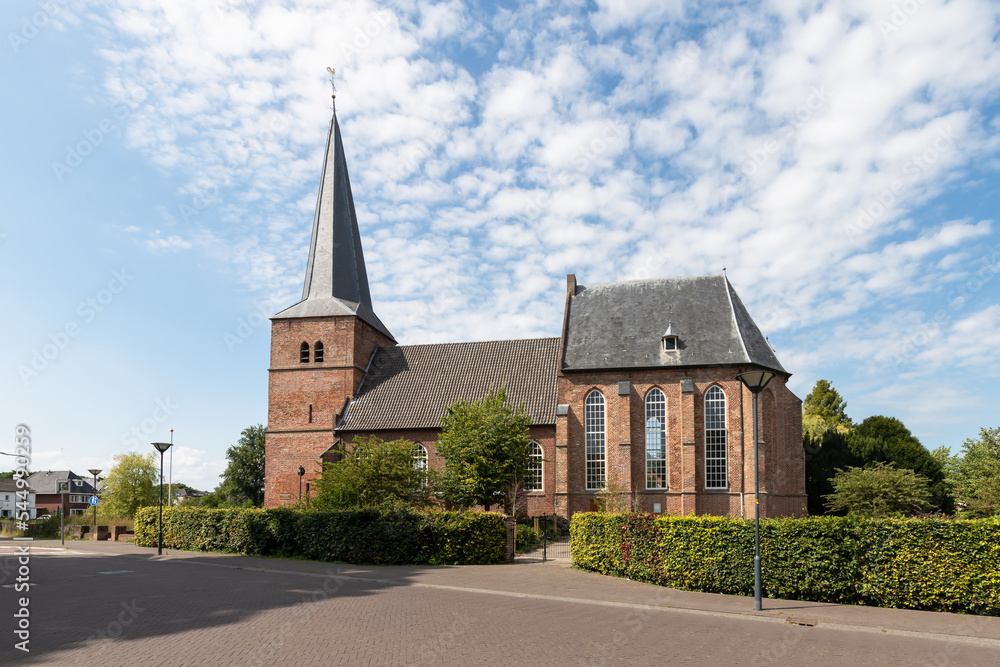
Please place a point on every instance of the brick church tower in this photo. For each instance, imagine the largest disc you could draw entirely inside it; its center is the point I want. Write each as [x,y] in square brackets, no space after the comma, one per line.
[321,346]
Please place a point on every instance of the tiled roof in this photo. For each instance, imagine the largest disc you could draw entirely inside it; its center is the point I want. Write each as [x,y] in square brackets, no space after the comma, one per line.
[621,325]
[10,486]
[44,481]
[411,386]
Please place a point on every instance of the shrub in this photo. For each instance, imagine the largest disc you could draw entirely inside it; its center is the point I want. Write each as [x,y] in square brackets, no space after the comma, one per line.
[932,564]
[37,528]
[369,536]
[525,538]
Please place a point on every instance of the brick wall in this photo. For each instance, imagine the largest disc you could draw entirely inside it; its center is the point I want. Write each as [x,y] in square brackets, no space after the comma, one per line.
[781,460]
[305,399]
[293,439]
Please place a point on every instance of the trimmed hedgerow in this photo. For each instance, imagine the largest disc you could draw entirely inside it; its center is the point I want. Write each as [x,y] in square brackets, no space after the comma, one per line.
[369,536]
[932,564]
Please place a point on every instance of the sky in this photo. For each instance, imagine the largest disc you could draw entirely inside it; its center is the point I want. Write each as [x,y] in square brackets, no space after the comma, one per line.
[161,161]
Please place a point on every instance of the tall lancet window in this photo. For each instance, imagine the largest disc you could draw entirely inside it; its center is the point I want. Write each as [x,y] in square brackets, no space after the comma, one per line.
[420,461]
[593,410]
[656,439]
[304,353]
[318,352]
[533,482]
[716,442]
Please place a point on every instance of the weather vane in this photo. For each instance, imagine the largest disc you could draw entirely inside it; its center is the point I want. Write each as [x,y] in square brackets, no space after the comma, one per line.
[333,86]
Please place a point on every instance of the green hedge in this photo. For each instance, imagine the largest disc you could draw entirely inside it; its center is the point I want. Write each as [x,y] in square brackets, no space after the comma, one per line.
[376,537]
[932,564]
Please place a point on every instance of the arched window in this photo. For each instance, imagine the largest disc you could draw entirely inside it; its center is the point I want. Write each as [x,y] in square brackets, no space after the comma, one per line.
[420,460]
[533,482]
[593,411]
[304,353]
[656,440]
[318,352]
[419,456]
[716,442]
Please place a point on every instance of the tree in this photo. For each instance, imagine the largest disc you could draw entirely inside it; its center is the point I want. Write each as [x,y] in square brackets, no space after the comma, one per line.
[886,439]
[375,473]
[824,410]
[211,500]
[243,480]
[977,474]
[825,454]
[131,483]
[486,452]
[880,490]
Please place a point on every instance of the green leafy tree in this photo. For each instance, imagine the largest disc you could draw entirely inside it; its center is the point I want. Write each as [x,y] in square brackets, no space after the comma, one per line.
[131,483]
[887,440]
[824,410]
[210,500]
[243,480]
[976,474]
[485,447]
[880,490]
[169,488]
[825,454]
[375,473]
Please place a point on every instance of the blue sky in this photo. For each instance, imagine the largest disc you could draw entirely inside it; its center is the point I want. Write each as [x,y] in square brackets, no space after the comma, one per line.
[161,161]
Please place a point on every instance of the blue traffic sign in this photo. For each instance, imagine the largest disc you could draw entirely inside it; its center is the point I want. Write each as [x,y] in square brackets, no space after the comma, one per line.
[93,500]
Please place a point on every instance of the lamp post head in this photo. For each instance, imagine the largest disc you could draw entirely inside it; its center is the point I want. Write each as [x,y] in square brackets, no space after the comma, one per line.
[755,381]
[94,471]
[161,446]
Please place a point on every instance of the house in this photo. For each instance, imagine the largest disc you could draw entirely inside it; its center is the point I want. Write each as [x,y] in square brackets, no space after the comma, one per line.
[182,494]
[638,393]
[48,498]
[9,504]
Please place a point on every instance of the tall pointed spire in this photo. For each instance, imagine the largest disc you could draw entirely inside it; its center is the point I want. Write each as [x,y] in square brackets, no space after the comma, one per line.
[336,281]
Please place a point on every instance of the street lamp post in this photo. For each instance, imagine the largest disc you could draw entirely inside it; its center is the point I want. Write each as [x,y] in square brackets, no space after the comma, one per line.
[755,381]
[95,472]
[302,471]
[161,447]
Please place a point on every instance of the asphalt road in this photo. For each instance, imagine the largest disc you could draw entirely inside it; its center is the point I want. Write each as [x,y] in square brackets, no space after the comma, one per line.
[130,608]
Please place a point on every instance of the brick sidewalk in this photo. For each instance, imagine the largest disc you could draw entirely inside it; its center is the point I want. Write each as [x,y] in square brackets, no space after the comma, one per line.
[189,608]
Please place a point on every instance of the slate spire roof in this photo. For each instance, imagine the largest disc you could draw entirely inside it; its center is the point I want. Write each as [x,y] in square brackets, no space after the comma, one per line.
[336,281]
[621,325]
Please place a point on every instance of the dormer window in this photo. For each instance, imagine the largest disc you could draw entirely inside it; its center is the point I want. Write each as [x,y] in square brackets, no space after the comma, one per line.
[318,352]
[304,353]
[669,342]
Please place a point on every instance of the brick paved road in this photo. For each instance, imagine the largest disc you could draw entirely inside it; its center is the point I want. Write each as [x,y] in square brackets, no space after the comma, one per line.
[133,609]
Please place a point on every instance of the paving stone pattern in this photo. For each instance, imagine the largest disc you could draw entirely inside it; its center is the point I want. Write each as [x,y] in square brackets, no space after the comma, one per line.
[113,604]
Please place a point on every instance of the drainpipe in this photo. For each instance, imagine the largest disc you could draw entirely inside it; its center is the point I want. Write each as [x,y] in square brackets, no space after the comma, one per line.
[743,460]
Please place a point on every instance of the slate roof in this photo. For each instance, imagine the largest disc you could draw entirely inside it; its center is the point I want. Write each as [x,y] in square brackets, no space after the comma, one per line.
[336,281]
[411,386]
[620,325]
[44,481]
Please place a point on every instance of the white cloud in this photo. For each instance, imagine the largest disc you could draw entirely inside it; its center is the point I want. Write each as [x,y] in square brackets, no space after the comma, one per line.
[169,243]
[798,145]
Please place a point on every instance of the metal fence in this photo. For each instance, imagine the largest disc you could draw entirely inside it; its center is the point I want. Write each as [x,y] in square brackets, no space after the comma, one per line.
[554,541]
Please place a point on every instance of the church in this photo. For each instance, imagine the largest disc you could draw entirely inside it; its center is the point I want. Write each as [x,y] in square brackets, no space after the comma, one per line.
[639,392]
